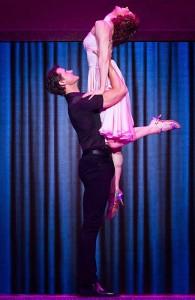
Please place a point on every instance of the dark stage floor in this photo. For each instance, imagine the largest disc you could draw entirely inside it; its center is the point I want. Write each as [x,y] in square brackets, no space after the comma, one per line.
[74,297]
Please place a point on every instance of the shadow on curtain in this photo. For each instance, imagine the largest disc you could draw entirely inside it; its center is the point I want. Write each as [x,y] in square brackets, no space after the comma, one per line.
[149,246]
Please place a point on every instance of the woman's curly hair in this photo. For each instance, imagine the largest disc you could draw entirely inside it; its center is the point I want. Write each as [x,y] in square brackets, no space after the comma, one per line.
[124,28]
[52,82]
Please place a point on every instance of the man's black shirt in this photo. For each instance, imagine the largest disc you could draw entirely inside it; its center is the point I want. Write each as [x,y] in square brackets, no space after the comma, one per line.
[84,115]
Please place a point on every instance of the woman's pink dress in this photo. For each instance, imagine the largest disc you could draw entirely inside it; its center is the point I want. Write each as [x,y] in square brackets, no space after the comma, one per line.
[117,121]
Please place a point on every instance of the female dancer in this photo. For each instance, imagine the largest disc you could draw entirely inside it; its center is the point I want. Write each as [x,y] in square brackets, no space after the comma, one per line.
[117,122]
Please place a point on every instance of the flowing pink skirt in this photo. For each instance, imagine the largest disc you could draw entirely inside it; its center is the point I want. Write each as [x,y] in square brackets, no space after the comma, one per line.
[117,121]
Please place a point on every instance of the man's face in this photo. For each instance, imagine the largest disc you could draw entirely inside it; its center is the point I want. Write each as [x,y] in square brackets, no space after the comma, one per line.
[67,76]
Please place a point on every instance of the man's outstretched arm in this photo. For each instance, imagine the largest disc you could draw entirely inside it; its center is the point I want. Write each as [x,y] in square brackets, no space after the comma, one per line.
[118,90]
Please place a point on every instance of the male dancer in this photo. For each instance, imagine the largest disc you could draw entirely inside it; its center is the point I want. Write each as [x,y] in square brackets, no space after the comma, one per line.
[96,167]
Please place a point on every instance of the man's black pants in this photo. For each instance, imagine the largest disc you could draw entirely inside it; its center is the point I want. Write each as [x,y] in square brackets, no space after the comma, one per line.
[96,173]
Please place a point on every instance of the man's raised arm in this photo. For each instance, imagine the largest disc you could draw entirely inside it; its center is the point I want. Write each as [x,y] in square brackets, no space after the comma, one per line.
[118,90]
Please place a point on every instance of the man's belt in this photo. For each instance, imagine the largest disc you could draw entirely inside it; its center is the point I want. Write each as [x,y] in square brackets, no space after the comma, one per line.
[103,152]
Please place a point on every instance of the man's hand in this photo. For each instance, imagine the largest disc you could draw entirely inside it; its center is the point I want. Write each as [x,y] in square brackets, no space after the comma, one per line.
[95,92]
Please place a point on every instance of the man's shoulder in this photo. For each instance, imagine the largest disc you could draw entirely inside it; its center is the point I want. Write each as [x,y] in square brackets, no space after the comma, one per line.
[76,101]
[78,95]
[74,96]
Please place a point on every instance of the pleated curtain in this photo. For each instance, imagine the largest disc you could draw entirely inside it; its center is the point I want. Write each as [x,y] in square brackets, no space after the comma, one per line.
[148,248]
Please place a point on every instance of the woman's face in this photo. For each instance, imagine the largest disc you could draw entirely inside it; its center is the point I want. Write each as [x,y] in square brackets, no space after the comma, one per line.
[122,11]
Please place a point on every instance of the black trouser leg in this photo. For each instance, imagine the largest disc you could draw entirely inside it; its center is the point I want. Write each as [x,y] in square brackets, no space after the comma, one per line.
[96,173]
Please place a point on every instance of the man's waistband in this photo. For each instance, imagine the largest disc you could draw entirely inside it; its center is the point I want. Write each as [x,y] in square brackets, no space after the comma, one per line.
[103,152]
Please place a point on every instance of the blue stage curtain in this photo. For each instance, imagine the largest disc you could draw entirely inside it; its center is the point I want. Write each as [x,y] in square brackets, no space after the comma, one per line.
[148,248]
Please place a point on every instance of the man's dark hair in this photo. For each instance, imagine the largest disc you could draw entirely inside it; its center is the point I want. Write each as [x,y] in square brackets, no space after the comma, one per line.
[124,28]
[52,82]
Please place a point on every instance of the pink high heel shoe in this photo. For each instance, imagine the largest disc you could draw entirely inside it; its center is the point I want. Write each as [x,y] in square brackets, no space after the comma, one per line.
[164,125]
[115,200]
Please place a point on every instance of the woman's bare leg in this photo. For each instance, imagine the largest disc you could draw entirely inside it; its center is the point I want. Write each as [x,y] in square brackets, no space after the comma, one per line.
[117,157]
[115,192]
[156,126]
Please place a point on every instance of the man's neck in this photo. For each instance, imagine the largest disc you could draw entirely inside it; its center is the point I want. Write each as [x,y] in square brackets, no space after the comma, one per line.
[72,90]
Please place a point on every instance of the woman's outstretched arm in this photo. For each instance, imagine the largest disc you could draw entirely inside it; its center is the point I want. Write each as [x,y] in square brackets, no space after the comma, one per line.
[103,34]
